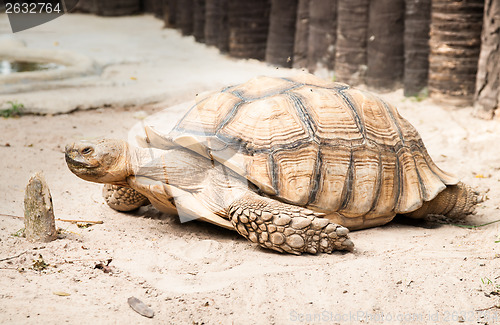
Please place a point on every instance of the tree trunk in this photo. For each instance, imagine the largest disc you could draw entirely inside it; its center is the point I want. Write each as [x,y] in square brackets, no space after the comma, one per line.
[184,16]
[148,6]
[199,21]
[118,7]
[454,50]
[154,7]
[248,28]
[279,49]
[416,44]
[350,56]
[216,27]
[488,74]
[322,35]
[384,49]
[301,42]
[158,9]
[87,6]
[169,13]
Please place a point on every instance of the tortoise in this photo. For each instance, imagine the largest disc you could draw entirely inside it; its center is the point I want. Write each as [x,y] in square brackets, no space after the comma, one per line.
[292,164]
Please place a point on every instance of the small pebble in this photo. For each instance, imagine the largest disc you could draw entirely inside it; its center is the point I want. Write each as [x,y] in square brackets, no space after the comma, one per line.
[140,307]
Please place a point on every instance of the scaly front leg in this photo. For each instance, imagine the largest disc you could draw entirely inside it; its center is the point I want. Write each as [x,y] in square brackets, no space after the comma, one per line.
[123,198]
[286,228]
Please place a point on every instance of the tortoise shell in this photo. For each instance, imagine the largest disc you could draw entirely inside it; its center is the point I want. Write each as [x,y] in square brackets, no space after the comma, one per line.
[314,143]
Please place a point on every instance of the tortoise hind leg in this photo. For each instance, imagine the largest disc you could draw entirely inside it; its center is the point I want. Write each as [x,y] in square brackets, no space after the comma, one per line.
[123,198]
[286,228]
[455,201]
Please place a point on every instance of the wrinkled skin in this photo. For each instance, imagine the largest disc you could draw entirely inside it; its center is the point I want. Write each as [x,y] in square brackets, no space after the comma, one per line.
[103,161]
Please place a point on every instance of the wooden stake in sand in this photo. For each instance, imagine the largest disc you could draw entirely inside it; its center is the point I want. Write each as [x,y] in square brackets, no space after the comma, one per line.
[39,220]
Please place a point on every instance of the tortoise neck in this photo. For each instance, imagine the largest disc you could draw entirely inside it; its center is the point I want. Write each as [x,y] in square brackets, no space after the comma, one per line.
[140,158]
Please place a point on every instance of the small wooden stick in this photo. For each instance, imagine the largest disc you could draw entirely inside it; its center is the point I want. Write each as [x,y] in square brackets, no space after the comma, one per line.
[12,257]
[63,220]
[488,308]
[81,221]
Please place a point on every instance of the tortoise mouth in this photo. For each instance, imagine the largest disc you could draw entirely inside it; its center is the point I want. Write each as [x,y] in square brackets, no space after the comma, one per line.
[77,157]
[78,162]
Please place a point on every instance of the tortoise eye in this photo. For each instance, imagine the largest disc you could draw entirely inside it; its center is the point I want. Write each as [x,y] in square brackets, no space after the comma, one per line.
[87,150]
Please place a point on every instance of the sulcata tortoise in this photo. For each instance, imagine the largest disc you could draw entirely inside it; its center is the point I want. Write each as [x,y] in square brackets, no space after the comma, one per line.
[289,163]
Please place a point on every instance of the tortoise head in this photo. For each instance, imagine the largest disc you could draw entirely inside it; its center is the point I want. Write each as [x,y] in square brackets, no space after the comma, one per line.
[100,161]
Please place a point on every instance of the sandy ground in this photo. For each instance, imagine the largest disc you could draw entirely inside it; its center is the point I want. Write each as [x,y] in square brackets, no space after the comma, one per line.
[407,272]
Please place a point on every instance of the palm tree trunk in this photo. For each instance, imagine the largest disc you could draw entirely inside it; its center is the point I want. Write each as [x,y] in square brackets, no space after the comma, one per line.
[158,8]
[454,50]
[384,49]
[248,28]
[169,13]
[279,49]
[118,8]
[87,6]
[322,34]
[416,44]
[350,56]
[148,6]
[488,74]
[199,20]
[216,27]
[301,35]
[184,16]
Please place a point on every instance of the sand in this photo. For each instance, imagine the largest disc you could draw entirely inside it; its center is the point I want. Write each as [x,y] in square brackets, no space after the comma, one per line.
[407,272]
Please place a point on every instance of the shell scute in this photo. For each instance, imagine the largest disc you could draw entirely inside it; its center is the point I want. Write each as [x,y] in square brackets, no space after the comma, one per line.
[334,124]
[365,165]
[265,124]
[296,171]
[333,177]
[209,112]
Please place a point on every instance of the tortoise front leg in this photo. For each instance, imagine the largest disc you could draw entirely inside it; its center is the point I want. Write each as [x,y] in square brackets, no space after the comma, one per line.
[123,198]
[286,228]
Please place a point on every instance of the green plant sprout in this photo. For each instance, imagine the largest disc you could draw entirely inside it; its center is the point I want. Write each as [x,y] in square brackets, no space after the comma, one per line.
[14,110]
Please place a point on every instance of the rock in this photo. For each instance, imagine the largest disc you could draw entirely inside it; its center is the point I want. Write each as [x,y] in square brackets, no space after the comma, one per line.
[39,221]
[140,307]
